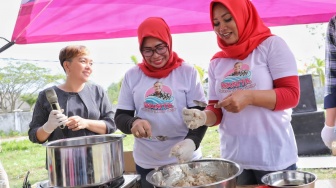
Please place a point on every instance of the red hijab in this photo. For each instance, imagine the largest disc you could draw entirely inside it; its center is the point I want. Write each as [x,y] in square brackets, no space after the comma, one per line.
[157,27]
[251,29]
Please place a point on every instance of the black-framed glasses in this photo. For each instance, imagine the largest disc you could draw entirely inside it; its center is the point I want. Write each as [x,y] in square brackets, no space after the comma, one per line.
[159,49]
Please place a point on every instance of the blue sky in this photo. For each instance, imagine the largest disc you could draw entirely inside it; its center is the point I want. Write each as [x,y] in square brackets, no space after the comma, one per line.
[112,57]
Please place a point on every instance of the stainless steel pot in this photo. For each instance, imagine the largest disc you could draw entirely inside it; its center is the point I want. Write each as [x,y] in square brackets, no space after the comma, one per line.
[224,172]
[85,161]
[289,178]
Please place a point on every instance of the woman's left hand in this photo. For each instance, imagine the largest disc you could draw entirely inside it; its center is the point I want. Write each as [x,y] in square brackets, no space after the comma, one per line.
[76,123]
[236,101]
[183,150]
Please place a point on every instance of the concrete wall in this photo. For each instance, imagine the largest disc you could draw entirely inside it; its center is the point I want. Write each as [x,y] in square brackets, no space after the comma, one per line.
[16,121]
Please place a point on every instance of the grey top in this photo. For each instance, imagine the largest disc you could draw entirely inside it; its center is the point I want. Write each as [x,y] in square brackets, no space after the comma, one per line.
[90,103]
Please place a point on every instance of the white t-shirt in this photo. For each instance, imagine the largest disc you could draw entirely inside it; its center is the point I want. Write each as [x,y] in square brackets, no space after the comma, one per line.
[256,138]
[163,110]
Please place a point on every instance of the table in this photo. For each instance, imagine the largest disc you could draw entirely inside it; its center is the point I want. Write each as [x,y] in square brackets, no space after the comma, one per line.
[329,183]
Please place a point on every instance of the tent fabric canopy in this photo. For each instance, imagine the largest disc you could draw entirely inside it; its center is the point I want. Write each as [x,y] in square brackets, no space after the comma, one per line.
[44,21]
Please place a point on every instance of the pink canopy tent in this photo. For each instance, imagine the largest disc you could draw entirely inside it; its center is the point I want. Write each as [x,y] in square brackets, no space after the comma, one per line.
[45,21]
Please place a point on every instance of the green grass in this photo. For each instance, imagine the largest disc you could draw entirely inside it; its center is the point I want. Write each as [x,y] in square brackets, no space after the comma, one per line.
[11,133]
[19,157]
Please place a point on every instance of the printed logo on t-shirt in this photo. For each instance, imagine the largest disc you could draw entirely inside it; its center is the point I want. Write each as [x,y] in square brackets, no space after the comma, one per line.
[238,78]
[159,99]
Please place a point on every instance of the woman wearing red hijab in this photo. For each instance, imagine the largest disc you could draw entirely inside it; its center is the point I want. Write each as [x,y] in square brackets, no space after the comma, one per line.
[151,101]
[252,108]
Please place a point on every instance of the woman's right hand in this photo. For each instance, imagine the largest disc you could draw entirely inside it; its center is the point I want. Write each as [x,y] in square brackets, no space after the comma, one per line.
[141,128]
[236,101]
[56,119]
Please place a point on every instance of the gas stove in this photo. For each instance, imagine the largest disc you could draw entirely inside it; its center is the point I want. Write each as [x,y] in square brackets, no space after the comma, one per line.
[126,181]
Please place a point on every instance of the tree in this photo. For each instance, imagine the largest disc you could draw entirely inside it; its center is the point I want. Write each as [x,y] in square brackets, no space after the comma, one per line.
[18,78]
[113,92]
[201,73]
[114,89]
[30,99]
[318,30]
[315,68]
[134,59]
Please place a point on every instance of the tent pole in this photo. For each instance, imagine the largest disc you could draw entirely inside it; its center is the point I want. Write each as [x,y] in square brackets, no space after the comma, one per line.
[6,46]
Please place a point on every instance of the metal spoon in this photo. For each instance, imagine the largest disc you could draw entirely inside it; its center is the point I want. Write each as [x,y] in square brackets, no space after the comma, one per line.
[160,138]
[202,104]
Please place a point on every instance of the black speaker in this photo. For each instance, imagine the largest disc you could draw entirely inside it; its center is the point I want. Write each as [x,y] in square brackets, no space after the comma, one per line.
[307,123]
[307,102]
[307,128]
[311,145]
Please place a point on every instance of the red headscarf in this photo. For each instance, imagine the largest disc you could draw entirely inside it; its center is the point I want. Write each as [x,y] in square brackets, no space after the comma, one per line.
[251,29]
[158,28]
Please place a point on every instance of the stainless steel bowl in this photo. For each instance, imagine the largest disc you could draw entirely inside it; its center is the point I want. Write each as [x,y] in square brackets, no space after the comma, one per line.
[224,171]
[290,178]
